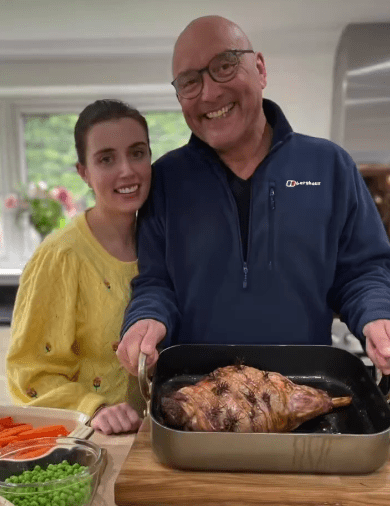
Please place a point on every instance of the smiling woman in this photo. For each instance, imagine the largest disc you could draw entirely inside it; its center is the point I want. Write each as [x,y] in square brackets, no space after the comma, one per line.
[73,291]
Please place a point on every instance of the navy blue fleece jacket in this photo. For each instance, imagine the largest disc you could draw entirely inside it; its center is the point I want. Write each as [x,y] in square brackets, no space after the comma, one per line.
[316,246]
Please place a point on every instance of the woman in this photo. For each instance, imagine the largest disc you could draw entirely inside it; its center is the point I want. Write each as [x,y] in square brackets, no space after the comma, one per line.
[74,290]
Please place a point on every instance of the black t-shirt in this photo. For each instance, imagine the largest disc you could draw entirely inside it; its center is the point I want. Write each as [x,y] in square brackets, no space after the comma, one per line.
[241,189]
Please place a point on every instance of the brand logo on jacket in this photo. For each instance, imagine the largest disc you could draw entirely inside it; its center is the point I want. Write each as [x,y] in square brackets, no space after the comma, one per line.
[291,183]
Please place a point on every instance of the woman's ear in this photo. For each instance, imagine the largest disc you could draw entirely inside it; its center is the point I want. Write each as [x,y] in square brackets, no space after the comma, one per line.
[83,173]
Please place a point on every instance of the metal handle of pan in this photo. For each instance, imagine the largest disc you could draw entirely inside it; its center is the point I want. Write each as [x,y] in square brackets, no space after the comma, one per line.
[383,383]
[143,380]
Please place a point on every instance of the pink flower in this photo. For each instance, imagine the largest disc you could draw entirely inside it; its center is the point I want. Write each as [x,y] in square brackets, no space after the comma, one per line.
[11,202]
[62,195]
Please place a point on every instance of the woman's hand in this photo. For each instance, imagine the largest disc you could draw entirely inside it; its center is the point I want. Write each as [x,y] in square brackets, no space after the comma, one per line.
[116,419]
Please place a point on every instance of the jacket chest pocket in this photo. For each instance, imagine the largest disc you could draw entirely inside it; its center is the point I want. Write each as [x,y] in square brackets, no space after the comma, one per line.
[296,224]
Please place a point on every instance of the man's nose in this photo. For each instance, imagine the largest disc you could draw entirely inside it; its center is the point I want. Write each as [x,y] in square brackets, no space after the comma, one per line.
[211,89]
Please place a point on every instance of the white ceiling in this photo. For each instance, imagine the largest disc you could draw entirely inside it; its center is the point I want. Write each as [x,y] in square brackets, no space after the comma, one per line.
[274,26]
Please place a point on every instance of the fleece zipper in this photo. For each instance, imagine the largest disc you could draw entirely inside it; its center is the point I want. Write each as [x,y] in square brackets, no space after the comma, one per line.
[245,260]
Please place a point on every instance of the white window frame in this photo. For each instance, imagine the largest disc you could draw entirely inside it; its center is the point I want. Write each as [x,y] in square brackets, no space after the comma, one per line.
[14,104]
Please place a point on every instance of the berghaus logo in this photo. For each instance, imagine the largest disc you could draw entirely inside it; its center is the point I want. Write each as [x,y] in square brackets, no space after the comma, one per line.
[291,183]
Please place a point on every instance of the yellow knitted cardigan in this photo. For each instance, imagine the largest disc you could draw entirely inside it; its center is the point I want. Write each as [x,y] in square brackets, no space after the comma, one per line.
[66,322]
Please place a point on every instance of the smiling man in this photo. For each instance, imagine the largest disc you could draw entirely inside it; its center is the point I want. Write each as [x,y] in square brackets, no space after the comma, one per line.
[229,118]
[254,234]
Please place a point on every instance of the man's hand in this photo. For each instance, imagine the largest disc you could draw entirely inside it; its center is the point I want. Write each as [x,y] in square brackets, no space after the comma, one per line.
[116,419]
[143,336]
[377,335]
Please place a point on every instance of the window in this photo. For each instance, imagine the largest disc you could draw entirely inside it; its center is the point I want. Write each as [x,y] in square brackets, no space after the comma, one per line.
[50,154]
[167,131]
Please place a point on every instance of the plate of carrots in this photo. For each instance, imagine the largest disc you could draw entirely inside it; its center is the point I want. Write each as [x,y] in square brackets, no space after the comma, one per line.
[12,432]
[22,423]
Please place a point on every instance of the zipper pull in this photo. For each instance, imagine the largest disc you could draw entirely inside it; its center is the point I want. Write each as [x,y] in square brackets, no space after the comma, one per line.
[245,283]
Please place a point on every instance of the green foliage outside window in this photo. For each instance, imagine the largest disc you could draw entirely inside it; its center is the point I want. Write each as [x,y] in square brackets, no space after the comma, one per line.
[51,156]
[167,131]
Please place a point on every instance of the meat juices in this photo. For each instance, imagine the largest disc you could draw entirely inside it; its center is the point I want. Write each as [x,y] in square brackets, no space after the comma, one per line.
[244,399]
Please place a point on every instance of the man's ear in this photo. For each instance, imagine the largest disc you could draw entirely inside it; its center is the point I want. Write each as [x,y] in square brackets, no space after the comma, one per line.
[82,170]
[260,66]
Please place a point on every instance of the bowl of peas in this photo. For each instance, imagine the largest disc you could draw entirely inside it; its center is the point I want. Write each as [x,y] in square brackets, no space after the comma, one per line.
[52,471]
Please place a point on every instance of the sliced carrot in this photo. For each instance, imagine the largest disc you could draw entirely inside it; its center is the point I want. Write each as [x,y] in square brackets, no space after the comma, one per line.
[46,431]
[31,453]
[7,421]
[16,430]
[6,440]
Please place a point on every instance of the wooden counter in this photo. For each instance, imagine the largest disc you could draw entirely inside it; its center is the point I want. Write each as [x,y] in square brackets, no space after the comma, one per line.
[142,480]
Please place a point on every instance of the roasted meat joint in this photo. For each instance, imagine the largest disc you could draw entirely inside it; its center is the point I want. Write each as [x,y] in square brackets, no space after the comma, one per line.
[239,398]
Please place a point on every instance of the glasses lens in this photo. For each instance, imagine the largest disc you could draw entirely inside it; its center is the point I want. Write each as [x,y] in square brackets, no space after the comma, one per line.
[189,84]
[223,66]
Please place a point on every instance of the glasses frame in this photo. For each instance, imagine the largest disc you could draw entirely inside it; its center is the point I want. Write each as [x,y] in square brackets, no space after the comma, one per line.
[236,52]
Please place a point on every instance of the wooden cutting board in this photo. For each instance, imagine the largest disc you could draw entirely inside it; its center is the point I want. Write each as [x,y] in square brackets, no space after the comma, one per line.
[144,481]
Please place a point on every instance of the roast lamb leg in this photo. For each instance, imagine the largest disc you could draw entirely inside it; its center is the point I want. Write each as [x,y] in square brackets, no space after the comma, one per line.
[244,399]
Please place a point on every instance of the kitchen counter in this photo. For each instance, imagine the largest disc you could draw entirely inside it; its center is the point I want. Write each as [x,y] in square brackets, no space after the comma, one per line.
[117,447]
[144,481]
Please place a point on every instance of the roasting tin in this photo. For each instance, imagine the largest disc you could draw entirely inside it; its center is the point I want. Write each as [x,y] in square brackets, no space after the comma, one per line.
[350,440]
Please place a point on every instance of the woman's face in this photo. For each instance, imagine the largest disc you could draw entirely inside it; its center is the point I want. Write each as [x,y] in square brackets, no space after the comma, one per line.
[118,165]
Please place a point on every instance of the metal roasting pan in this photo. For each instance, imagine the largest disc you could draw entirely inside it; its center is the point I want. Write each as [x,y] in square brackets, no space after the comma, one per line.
[350,440]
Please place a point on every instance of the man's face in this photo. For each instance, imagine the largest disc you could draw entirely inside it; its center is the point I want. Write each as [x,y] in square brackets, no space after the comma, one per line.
[224,115]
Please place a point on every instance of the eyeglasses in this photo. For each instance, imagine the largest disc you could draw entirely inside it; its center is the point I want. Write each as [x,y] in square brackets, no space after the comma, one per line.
[222,68]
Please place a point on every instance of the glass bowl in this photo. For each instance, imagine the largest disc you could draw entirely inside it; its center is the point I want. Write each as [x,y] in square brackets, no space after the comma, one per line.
[56,471]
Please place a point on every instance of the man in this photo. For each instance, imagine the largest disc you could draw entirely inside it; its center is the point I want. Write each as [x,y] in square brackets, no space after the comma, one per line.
[254,234]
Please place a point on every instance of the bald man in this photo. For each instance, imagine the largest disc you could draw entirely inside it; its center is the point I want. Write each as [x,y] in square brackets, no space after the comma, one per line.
[253,234]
